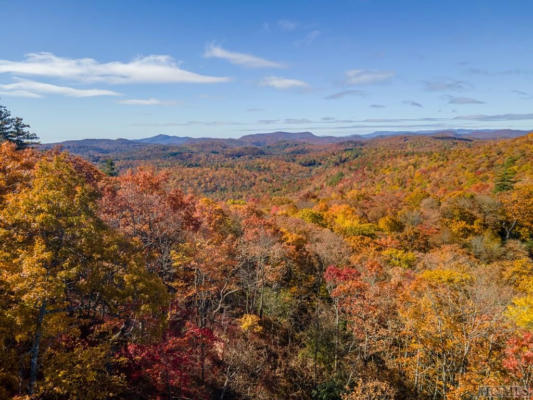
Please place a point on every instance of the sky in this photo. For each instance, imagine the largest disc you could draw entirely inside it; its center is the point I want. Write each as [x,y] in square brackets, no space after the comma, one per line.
[134,69]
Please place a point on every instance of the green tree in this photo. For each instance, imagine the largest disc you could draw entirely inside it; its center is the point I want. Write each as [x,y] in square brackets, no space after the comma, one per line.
[109,168]
[13,129]
[505,180]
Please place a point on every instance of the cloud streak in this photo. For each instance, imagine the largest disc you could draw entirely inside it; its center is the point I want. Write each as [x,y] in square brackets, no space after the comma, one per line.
[463,100]
[445,85]
[366,77]
[149,69]
[28,88]
[280,83]
[496,117]
[287,25]
[146,102]
[246,60]
[345,93]
[412,103]
[308,39]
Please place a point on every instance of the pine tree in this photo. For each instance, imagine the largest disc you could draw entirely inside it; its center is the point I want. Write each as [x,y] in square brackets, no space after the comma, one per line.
[109,168]
[505,180]
[6,124]
[13,129]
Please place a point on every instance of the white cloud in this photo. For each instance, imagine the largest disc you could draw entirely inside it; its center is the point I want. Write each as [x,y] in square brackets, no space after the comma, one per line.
[283,83]
[445,85]
[463,100]
[149,69]
[361,76]
[26,88]
[287,25]
[246,60]
[20,93]
[297,121]
[146,102]
[496,117]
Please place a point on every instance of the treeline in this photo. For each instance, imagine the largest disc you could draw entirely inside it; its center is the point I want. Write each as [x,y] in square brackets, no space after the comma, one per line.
[410,277]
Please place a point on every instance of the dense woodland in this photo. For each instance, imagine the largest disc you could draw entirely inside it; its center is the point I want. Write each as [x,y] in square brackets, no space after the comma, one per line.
[398,268]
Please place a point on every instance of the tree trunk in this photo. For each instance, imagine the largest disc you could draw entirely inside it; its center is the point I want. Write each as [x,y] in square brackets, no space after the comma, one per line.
[336,305]
[34,353]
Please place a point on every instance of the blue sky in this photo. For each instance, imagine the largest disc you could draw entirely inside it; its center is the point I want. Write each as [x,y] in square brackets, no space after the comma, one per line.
[132,69]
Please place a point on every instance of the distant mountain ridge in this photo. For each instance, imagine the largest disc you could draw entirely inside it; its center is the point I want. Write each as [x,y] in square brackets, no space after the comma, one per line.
[104,146]
[165,139]
[269,138]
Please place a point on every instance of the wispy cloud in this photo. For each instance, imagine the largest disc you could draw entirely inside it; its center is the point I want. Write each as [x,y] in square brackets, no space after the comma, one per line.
[381,120]
[20,93]
[246,60]
[149,69]
[521,93]
[506,72]
[287,25]
[365,77]
[297,121]
[445,85]
[27,88]
[412,103]
[395,127]
[277,82]
[463,100]
[345,93]
[186,123]
[308,39]
[496,117]
[146,102]
[377,106]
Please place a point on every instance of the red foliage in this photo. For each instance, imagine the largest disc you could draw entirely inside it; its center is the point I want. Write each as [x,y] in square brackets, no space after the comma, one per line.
[335,275]
[169,366]
[519,356]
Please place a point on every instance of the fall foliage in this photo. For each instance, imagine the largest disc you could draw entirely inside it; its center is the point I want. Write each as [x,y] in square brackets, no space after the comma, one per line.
[401,268]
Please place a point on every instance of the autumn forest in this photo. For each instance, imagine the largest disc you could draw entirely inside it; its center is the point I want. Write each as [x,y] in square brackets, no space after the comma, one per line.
[394,268]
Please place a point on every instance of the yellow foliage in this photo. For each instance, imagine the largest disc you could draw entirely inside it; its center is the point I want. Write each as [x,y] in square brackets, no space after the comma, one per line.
[521,311]
[390,224]
[81,374]
[250,323]
[400,258]
[446,276]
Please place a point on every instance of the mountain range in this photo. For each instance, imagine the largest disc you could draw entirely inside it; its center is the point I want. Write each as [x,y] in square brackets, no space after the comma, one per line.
[107,146]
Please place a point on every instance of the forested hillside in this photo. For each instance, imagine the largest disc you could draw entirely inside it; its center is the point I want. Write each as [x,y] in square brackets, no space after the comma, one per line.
[397,268]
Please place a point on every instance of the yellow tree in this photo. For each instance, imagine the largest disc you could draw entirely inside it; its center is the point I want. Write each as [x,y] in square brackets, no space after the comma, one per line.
[454,331]
[518,205]
[15,172]
[66,270]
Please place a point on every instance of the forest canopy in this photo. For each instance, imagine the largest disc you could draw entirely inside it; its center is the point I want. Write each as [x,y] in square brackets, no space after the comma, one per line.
[397,269]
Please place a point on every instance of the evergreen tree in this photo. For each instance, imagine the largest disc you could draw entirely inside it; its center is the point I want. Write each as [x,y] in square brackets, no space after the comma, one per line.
[13,129]
[6,124]
[505,180]
[109,168]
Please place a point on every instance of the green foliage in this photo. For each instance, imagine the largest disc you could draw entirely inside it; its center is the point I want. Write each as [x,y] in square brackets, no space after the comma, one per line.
[109,168]
[13,129]
[335,179]
[329,390]
[505,180]
[311,216]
